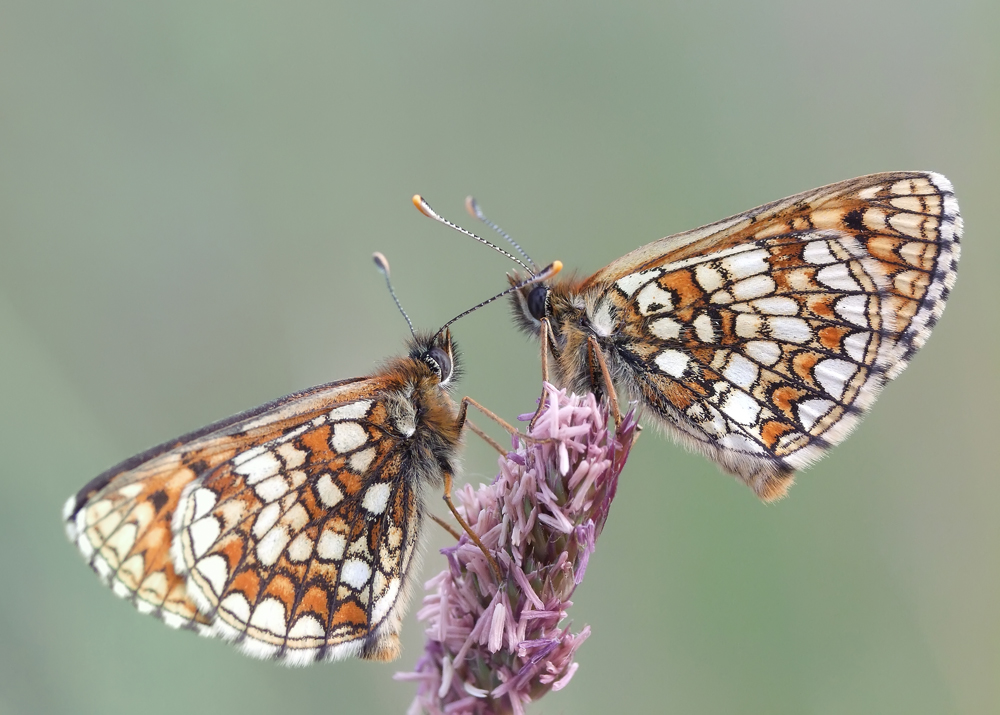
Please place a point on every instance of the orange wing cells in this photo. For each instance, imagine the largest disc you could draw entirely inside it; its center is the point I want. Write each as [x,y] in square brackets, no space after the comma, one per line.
[762,339]
[292,529]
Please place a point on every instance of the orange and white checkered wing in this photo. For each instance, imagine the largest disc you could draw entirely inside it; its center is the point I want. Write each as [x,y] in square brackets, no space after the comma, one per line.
[299,548]
[761,339]
[122,521]
[121,524]
[908,222]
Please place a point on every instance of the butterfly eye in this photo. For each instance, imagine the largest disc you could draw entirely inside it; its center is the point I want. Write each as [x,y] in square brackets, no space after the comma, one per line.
[440,362]
[538,300]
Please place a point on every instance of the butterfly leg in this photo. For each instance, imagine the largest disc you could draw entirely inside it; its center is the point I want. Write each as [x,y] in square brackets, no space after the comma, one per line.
[485,437]
[511,429]
[595,354]
[543,339]
[490,441]
[468,529]
[445,525]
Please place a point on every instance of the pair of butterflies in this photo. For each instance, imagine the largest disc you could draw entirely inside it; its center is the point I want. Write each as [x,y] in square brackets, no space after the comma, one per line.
[759,341]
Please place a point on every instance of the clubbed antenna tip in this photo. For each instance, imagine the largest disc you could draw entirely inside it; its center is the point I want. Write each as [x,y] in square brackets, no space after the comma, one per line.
[472,206]
[382,263]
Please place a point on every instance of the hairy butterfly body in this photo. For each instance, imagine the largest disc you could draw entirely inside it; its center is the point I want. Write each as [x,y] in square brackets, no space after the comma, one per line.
[760,340]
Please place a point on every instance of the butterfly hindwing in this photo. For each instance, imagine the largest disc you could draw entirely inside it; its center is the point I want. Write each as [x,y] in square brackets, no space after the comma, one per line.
[299,548]
[754,355]
[123,520]
[123,531]
[761,339]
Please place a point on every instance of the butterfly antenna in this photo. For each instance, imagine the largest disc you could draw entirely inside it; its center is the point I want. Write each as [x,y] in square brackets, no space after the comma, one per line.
[472,206]
[425,208]
[546,273]
[382,263]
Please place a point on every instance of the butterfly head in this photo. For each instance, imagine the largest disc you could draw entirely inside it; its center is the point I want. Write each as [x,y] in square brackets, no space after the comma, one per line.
[530,304]
[554,302]
[538,301]
[439,353]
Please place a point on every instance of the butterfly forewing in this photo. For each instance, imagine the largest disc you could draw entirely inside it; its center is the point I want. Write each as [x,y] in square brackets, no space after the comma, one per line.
[121,520]
[760,339]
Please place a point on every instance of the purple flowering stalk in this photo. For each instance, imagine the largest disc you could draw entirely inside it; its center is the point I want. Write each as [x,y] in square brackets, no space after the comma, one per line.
[494,649]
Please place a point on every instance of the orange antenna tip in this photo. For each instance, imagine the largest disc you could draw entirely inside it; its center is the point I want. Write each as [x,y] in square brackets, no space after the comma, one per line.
[424,207]
[472,207]
[547,272]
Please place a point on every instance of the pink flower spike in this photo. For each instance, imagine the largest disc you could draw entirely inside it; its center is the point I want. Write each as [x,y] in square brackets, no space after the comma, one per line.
[496,648]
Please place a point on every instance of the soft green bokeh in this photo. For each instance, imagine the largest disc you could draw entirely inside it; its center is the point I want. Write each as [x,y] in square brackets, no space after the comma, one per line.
[189,196]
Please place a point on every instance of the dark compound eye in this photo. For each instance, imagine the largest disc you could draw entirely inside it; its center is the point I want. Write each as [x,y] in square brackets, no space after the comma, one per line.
[537,299]
[440,362]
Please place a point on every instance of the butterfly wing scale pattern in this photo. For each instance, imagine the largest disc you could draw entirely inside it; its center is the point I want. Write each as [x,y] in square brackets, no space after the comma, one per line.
[298,549]
[124,534]
[761,339]
[300,508]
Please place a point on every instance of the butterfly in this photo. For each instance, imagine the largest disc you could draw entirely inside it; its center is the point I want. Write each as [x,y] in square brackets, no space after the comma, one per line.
[761,340]
[292,529]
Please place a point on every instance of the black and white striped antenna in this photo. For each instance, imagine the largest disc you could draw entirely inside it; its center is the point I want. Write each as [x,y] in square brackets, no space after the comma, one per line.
[543,275]
[425,208]
[472,206]
[382,263]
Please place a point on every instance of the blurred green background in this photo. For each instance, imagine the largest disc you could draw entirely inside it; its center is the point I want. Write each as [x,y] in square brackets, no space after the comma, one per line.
[189,196]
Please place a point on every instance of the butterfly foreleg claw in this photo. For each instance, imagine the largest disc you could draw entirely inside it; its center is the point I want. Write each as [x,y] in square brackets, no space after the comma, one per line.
[468,529]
